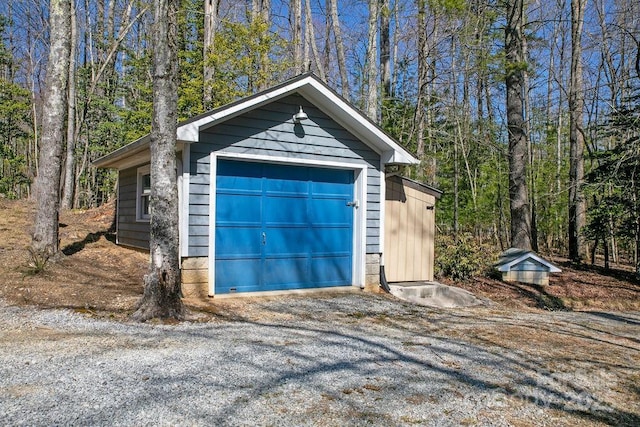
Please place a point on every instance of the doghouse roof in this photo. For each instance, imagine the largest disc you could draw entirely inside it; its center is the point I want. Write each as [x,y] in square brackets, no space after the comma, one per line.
[515,256]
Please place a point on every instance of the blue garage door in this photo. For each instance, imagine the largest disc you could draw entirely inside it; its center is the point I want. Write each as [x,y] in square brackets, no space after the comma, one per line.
[282,227]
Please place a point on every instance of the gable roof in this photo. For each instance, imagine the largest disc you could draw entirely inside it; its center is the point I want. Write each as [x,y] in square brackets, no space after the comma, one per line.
[307,85]
[515,256]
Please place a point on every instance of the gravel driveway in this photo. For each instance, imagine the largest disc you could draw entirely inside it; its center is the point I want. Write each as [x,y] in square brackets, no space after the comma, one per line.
[348,359]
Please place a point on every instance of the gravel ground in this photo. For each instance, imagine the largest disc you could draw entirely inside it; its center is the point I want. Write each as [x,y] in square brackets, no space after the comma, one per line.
[354,359]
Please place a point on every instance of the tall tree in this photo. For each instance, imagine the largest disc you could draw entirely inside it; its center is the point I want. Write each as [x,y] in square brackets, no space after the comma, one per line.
[576,135]
[310,41]
[261,12]
[518,155]
[342,62]
[44,242]
[385,48]
[211,8]
[69,164]
[161,296]
[423,69]
[296,35]
[372,63]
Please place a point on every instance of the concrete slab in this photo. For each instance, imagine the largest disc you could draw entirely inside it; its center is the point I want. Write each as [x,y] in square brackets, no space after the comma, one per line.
[434,294]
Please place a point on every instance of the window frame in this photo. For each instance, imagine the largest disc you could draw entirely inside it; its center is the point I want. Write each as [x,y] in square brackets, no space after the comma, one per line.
[141,193]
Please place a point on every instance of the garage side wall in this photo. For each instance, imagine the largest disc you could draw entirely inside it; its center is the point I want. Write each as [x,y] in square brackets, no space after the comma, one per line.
[270,131]
[129,231]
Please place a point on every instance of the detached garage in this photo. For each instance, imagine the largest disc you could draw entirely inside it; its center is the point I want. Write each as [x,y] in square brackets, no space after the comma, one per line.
[282,190]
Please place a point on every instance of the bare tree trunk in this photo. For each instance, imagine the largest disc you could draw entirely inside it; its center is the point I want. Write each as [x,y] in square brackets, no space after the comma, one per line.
[296,11]
[385,49]
[342,62]
[311,40]
[530,153]
[423,69]
[326,55]
[34,110]
[456,189]
[161,296]
[372,63]
[44,242]
[518,194]
[394,55]
[70,165]
[261,9]
[576,135]
[210,26]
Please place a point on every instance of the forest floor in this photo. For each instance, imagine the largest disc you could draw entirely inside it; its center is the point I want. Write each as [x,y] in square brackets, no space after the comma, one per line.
[96,276]
[70,355]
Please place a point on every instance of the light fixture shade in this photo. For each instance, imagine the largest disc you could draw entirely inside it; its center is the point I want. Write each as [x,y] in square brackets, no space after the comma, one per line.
[300,116]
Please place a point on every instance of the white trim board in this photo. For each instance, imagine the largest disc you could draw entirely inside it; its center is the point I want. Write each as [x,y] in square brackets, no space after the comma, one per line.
[184,203]
[140,172]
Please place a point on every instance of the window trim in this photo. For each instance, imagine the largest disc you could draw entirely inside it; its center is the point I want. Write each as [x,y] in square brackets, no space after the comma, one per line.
[140,215]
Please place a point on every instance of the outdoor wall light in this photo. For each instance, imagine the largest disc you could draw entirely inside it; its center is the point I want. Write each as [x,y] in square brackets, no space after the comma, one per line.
[300,116]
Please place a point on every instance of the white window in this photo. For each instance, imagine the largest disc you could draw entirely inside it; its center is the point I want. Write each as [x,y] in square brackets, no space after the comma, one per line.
[144,194]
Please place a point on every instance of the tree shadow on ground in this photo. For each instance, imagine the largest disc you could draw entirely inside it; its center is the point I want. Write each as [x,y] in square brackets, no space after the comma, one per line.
[619,317]
[539,294]
[532,384]
[615,273]
[75,247]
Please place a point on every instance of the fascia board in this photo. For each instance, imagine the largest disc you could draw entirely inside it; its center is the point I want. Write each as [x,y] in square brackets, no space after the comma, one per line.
[133,154]
[112,159]
[354,121]
[191,131]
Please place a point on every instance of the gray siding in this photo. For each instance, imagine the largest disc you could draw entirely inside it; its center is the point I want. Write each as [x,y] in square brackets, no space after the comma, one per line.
[129,231]
[269,131]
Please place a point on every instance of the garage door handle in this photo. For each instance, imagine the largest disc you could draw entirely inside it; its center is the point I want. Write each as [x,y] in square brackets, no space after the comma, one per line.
[353,204]
[264,238]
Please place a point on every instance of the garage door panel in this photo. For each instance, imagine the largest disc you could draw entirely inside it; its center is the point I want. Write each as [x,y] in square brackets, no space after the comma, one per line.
[238,209]
[237,275]
[283,273]
[244,183]
[291,241]
[284,210]
[331,271]
[291,186]
[300,217]
[321,176]
[339,184]
[330,211]
[330,239]
[238,242]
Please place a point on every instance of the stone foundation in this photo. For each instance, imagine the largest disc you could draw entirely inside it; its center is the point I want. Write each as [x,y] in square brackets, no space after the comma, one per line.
[195,277]
[372,273]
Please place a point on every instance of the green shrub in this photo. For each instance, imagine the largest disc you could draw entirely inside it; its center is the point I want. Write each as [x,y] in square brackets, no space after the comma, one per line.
[461,257]
[36,262]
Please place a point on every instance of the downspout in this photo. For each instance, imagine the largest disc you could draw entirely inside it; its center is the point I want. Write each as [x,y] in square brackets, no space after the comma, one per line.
[383,280]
